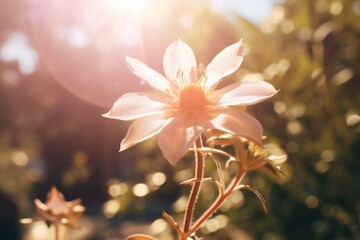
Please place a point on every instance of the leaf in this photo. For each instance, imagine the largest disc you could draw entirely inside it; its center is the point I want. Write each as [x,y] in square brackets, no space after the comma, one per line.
[174,224]
[195,180]
[257,193]
[275,170]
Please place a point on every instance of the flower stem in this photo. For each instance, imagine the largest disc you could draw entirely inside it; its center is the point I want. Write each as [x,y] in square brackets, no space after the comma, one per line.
[199,168]
[57,232]
[219,201]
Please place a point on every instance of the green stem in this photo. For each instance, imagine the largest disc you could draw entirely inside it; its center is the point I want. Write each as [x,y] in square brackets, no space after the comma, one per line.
[199,168]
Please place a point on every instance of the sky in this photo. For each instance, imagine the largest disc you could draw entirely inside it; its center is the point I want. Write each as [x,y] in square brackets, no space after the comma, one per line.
[255,11]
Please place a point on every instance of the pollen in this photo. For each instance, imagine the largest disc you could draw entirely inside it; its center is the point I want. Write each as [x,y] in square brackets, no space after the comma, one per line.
[192,97]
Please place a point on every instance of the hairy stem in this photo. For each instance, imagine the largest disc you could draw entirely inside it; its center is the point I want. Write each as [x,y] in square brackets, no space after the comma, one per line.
[223,195]
[199,173]
[218,202]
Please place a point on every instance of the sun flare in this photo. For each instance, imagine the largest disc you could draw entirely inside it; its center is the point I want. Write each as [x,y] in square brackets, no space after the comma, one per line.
[125,6]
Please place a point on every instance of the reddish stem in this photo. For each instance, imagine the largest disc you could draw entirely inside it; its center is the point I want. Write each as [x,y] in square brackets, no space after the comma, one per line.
[219,201]
[199,168]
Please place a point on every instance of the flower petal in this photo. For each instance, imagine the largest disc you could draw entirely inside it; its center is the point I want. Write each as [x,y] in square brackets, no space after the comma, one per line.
[238,122]
[246,92]
[140,237]
[144,128]
[40,206]
[178,56]
[177,137]
[132,106]
[225,63]
[150,76]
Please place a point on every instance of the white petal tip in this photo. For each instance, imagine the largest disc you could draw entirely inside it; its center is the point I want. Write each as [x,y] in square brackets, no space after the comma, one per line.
[106,115]
[126,144]
[123,146]
[241,48]
[127,58]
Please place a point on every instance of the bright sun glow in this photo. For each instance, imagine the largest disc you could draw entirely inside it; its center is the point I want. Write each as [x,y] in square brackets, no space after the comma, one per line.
[134,6]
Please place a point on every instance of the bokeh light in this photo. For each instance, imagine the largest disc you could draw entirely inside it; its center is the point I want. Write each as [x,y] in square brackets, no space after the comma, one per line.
[115,190]
[17,48]
[39,230]
[140,190]
[20,158]
[111,208]
[159,226]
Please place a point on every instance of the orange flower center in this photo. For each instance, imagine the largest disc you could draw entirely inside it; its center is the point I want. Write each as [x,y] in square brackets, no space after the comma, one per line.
[192,97]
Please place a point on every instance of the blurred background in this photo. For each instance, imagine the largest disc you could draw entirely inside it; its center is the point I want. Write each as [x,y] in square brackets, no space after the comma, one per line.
[62,65]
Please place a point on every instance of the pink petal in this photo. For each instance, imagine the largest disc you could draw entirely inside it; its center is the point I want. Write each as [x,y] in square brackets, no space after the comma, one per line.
[132,106]
[177,137]
[246,92]
[40,205]
[150,76]
[225,63]
[178,56]
[237,122]
[139,237]
[145,128]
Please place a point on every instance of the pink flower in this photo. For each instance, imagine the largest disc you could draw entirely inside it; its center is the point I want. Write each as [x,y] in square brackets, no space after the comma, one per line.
[56,209]
[187,101]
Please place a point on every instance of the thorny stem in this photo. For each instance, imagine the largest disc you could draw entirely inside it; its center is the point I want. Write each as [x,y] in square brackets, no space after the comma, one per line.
[199,168]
